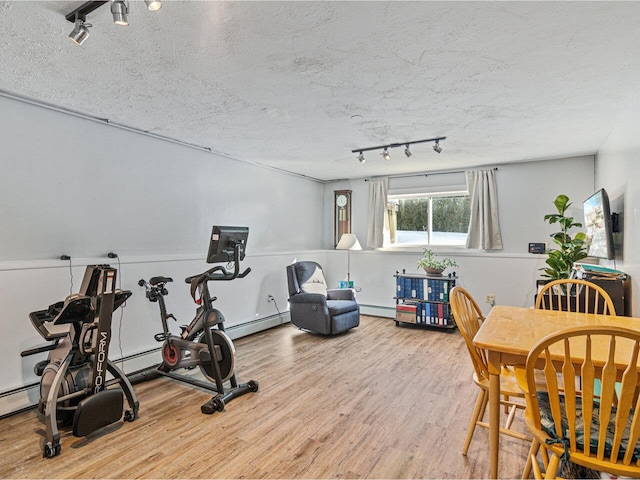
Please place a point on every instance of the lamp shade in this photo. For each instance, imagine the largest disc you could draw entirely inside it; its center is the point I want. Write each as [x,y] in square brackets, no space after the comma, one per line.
[348,241]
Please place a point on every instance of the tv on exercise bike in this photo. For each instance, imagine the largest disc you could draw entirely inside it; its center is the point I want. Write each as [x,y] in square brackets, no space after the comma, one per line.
[223,241]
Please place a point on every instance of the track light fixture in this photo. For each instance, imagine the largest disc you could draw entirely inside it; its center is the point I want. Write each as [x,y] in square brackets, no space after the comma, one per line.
[385,153]
[80,32]
[119,11]
[153,5]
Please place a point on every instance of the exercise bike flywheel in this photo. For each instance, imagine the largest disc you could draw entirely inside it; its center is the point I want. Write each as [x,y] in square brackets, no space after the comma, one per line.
[227,363]
[171,355]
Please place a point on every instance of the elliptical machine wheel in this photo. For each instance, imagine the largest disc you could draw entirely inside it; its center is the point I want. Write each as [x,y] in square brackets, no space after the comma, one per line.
[50,451]
[228,362]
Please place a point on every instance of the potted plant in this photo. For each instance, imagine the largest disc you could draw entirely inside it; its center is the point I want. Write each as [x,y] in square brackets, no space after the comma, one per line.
[433,265]
[571,249]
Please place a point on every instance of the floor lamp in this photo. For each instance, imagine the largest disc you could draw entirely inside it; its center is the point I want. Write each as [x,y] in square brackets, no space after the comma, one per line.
[348,242]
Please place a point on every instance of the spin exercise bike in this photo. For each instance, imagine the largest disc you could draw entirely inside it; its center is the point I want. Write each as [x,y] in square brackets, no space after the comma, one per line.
[74,387]
[204,342]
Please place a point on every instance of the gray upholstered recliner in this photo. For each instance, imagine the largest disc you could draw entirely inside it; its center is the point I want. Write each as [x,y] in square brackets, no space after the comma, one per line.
[315,308]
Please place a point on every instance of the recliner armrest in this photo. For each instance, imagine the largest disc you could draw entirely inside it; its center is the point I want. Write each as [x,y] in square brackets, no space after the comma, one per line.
[308,298]
[341,294]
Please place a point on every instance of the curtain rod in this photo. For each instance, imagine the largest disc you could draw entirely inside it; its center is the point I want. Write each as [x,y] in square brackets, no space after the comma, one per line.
[495,169]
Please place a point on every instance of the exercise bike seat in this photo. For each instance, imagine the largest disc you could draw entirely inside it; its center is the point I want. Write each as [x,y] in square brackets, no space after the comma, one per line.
[76,308]
[156,280]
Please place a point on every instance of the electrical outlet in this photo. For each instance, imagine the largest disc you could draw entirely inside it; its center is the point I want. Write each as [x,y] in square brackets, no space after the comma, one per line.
[491,300]
[270,298]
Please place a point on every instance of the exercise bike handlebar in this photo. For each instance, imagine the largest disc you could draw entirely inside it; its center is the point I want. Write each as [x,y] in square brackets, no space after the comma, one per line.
[220,272]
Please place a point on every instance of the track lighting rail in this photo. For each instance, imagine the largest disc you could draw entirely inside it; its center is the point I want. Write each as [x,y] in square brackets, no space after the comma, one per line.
[83,10]
[395,145]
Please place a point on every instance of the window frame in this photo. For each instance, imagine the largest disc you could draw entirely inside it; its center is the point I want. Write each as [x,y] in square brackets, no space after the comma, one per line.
[430,193]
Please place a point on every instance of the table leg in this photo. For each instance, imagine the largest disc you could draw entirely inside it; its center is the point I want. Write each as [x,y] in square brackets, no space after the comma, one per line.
[494,412]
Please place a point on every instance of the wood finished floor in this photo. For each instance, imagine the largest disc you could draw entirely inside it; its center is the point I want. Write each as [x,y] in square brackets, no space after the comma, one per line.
[377,402]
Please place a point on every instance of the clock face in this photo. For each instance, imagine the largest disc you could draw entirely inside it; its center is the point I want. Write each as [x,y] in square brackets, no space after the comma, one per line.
[341,201]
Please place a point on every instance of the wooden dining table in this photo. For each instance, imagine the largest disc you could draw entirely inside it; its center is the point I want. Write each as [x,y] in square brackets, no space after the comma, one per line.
[509,333]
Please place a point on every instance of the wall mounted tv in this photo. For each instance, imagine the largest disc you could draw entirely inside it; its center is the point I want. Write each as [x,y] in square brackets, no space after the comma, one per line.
[598,223]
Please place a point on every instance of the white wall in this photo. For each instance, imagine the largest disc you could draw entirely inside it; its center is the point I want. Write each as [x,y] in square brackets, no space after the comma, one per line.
[82,188]
[526,192]
[617,170]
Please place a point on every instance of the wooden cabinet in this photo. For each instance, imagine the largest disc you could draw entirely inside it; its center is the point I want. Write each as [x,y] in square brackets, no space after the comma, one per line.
[424,300]
[619,289]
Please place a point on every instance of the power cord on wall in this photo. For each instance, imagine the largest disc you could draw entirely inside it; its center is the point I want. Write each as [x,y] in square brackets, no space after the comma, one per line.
[278,310]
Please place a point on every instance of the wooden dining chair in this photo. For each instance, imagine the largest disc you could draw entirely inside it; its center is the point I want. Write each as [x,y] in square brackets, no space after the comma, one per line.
[575,295]
[582,427]
[468,318]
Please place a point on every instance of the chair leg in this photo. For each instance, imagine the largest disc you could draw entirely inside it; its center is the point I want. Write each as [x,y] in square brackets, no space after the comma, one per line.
[532,459]
[544,453]
[483,408]
[552,469]
[506,407]
[512,415]
[475,416]
[537,474]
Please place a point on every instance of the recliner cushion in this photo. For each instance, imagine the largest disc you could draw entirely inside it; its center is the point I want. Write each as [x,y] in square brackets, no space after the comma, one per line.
[338,307]
[311,278]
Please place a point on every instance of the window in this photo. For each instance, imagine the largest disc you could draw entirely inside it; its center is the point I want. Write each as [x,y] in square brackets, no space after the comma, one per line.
[428,218]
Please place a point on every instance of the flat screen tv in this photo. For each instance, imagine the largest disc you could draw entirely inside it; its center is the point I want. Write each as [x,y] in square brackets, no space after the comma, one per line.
[598,225]
[223,242]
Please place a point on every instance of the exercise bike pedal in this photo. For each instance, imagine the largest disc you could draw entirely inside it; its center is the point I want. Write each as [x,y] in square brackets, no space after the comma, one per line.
[160,337]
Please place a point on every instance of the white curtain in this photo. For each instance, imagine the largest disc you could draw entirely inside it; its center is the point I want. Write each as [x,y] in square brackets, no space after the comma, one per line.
[377,212]
[484,224]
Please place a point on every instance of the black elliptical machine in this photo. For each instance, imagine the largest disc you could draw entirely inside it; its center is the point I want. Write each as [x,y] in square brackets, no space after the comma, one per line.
[74,387]
[204,342]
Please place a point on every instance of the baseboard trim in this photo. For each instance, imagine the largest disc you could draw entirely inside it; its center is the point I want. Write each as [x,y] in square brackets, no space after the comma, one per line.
[378,311]
[255,326]
[27,397]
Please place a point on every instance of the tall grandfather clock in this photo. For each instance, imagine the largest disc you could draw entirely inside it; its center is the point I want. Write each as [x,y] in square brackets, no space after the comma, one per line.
[341,214]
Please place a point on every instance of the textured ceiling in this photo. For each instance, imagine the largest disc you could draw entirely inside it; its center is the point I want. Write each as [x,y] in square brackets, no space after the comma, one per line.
[298,85]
